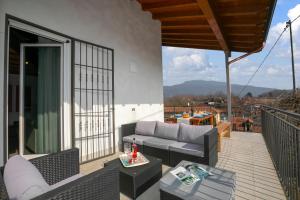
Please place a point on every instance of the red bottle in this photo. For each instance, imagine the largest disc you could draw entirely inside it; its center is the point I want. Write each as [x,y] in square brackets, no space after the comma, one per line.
[135,150]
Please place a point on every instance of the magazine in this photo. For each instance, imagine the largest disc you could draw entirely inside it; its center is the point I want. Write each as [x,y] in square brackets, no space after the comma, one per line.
[190,174]
[127,161]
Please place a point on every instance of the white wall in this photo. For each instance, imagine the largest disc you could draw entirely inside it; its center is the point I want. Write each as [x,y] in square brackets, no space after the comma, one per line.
[118,24]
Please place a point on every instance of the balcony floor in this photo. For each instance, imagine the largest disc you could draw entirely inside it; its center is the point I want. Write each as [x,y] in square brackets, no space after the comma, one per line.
[245,154]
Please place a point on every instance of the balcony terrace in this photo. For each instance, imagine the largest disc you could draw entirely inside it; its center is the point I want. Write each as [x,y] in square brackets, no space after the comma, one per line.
[245,154]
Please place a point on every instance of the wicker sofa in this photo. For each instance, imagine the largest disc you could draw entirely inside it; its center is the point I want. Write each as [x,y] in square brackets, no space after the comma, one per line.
[102,184]
[171,149]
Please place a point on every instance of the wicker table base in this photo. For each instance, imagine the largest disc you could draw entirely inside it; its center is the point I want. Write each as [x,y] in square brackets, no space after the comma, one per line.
[136,180]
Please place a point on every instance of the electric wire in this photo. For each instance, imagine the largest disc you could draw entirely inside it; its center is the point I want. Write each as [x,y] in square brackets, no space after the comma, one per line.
[265,58]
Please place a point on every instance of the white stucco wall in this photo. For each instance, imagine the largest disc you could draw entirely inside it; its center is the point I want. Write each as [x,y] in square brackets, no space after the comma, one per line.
[118,24]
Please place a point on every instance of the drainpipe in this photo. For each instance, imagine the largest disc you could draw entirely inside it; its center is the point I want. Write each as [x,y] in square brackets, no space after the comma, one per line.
[229,113]
[227,64]
[247,54]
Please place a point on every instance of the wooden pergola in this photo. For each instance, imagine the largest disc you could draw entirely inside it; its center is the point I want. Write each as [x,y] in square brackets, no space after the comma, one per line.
[226,25]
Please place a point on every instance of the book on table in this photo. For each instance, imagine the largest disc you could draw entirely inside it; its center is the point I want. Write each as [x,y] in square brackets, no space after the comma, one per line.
[190,174]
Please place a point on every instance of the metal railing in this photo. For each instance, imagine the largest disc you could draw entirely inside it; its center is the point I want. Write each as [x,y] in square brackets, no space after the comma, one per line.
[281,132]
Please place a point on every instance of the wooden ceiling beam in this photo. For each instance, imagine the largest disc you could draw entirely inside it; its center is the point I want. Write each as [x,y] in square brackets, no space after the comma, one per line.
[186,27]
[185,22]
[181,14]
[235,3]
[246,34]
[239,13]
[184,18]
[190,39]
[195,42]
[189,36]
[193,46]
[189,31]
[169,6]
[244,37]
[213,22]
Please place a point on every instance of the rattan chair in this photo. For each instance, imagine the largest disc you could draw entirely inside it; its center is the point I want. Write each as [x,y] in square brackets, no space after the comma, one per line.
[102,184]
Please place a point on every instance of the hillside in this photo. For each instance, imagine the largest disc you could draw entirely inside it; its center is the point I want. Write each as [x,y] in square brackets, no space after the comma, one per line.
[200,87]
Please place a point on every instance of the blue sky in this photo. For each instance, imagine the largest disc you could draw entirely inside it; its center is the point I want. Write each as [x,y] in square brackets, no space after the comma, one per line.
[181,64]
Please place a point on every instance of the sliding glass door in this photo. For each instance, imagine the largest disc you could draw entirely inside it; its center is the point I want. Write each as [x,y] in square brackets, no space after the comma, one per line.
[39,129]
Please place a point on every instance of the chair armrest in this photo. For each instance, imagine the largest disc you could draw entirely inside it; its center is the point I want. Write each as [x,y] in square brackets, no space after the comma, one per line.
[102,184]
[58,166]
[210,146]
[3,192]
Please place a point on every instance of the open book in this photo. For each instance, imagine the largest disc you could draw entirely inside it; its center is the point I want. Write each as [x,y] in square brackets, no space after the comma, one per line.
[190,174]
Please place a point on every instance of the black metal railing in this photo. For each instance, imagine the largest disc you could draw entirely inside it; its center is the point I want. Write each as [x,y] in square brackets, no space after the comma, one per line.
[281,132]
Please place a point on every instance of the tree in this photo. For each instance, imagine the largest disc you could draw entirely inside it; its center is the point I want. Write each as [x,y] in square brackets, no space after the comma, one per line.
[249,94]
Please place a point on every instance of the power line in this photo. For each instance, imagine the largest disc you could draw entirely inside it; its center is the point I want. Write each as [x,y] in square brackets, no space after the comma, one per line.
[295,18]
[263,61]
[265,58]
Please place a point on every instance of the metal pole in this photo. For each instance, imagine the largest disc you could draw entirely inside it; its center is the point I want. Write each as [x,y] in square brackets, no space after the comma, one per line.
[289,24]
[229,113]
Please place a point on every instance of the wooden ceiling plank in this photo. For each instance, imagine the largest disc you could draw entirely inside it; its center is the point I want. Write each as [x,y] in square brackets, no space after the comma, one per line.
[187,31]
[190,39]
[184,18]
[187,27]
[193,46]
[189,36]
[168,6]
[178,14]
[196,42]
[184,23]
[213,22]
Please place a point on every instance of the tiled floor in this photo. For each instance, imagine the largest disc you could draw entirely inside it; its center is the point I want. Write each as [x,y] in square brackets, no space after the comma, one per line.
[245,154]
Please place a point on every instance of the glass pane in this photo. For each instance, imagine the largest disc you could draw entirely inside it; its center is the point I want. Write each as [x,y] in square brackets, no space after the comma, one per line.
[41,99]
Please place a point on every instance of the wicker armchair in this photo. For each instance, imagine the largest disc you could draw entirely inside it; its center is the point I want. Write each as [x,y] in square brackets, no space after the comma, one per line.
[102,184]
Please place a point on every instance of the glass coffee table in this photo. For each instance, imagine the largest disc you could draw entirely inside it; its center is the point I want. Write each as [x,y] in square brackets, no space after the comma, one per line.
[221,185]
[136,180]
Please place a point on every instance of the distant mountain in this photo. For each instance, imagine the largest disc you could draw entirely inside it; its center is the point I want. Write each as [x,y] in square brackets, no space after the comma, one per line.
[200,87]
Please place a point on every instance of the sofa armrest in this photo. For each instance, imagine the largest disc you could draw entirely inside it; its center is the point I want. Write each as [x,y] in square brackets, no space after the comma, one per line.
[126,129]
[210,146]
[102,184]
[58,166]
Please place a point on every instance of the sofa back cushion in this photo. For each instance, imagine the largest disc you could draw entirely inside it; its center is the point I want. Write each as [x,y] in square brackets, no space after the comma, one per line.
[193,134]
[167,131]
[23,180]
[145,128]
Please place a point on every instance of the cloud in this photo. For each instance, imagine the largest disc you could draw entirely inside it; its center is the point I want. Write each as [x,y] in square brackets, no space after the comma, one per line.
[187,64]
[282,49]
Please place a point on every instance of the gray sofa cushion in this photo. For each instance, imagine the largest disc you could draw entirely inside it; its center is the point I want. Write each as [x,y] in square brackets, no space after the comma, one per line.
[139,139]
[167,131]
[23,180]
[188,148]
[193,134]
[159,143]
[145,128]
